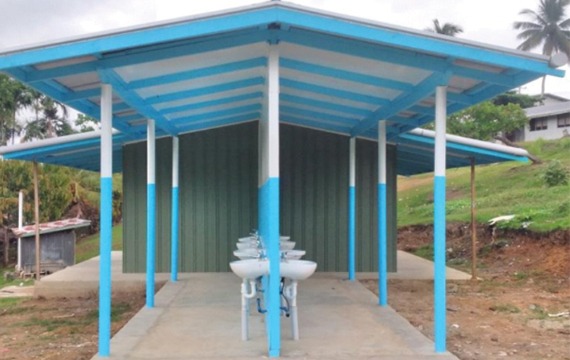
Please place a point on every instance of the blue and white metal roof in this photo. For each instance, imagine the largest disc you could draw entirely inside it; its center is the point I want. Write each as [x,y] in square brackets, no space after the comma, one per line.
[415,151]
[337,73]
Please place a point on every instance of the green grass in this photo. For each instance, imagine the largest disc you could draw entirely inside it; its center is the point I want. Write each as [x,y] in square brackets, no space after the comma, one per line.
[88,247]
[502,189]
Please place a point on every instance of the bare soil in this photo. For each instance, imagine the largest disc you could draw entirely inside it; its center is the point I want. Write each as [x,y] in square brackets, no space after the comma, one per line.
[62,329]
[517,309]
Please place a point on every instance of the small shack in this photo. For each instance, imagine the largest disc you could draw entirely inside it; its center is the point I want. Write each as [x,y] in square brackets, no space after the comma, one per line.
[57,245]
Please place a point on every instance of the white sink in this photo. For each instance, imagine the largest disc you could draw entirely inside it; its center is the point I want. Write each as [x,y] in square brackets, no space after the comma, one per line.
[250,268]
[297,269]
[246,245]
[246,239]
[247,253]
[286,245]
[284,238]
[293,254]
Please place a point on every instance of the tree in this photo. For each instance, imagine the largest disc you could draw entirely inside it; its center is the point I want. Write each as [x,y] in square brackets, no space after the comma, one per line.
[48,121]
[86,123]
[448,29]
[485,120]
[512,97]
[548,26]
[14,96]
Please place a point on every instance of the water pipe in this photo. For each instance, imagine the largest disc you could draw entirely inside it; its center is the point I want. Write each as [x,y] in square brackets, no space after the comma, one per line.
[290,293]
[246,294]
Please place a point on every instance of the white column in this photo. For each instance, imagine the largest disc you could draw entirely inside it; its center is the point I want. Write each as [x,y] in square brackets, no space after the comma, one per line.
[20,225]
[382,220]
[174,212]
[106,219]
[150,213]
[352,210]
[439,220]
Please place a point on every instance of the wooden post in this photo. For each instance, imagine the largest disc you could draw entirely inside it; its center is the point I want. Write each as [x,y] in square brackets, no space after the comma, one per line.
[6,247]
[37,219]
[473,224]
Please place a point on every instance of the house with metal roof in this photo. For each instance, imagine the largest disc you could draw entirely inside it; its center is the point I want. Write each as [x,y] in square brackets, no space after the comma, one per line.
[274,116]
[550,121]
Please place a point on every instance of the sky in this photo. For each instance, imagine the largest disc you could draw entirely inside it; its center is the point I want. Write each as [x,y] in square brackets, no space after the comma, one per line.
[26,22]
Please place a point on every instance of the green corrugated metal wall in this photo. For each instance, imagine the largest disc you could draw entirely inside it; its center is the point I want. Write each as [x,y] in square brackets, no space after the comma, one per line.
[218,198]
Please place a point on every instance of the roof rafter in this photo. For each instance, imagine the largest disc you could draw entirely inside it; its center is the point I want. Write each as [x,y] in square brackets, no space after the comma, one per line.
[404,101]
[135,101]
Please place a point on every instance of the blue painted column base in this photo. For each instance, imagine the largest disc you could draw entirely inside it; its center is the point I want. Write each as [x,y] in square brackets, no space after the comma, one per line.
[106,239]
[382,247]
[352,233]
[439,264]
[174,236]
[150,243]
[269,232]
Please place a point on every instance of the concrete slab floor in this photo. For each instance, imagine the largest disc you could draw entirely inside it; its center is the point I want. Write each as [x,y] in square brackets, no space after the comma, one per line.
[199,318]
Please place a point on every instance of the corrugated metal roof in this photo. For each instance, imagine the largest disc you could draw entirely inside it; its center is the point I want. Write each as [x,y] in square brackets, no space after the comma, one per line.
[337,73]
[548,110]
[50,227]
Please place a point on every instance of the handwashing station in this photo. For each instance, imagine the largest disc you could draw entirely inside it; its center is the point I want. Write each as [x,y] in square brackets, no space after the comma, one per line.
[253,267]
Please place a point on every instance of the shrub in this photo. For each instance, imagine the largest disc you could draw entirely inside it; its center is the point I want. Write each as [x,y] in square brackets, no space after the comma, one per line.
[555,174]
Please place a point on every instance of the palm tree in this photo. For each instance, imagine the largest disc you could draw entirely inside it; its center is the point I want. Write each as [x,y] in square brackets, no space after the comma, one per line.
[448,29]
[548,27]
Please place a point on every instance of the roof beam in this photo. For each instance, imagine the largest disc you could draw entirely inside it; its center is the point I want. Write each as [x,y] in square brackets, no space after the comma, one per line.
[344,74]
[325,105]
[216,114]
[318,115]
[323,90]
[135,101]
[198,73]
[403,102]
[314,124]
[232,120]
[207,90]
[210,103]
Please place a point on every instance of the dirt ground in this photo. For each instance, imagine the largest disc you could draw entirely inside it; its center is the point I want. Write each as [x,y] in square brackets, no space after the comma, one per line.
[518,309]
[62,329]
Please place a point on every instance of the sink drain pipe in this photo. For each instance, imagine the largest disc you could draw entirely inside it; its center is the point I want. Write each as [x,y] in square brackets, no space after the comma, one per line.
[246,295]
[290,293]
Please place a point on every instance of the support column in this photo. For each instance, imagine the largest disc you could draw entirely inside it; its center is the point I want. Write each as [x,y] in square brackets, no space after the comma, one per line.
[352,210]
[439,220]
[106,219]
[150,212]
[174,213]
[382,222]
[269,199]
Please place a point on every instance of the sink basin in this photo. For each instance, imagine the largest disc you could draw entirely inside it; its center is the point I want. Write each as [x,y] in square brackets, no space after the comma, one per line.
[246,239]
[246,245]
[246,253]
[284,238]
[286,245]
[250,268]
[293,254]
[297,269]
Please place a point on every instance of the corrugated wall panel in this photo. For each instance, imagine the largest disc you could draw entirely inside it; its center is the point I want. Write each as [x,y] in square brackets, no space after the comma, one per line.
[218,198]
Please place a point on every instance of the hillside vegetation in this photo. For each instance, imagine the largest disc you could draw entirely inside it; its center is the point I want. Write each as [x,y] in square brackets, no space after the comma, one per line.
[510,188]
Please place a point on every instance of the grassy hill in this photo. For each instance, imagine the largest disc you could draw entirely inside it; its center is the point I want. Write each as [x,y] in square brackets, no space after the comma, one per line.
[502,189]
